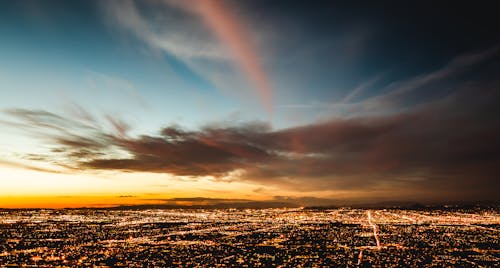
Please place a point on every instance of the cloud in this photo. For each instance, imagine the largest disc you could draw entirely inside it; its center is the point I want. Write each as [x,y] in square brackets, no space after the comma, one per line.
[361,88]
[407,93]
[127,16]
[177,31]
[236,37]
[447,149]
[28,166]
[212,151]
[398,91]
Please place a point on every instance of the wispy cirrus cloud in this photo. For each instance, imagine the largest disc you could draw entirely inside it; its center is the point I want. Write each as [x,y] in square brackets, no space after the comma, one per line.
[236,37]
[174,38]
[408,93]
[205,50]
[13,164]
[438,80]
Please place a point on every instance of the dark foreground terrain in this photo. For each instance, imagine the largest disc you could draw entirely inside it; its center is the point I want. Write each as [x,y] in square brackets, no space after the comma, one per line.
[248,238]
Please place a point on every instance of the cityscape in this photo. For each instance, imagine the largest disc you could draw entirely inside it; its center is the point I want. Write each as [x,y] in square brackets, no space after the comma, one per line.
[288,237]
[257,133]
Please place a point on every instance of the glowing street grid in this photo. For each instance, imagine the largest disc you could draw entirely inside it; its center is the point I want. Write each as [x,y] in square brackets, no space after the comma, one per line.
[249,238]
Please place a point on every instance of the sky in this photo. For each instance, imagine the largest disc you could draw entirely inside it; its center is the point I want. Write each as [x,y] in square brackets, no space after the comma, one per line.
[106,103]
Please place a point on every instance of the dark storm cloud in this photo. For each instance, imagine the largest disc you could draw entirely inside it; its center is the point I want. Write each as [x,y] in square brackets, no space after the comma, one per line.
[211,151]
[448,147]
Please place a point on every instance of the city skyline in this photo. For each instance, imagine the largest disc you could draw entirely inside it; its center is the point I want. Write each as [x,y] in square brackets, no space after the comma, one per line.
[114,103]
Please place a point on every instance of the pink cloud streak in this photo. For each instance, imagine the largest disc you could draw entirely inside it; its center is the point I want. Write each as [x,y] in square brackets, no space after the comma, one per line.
[233,34]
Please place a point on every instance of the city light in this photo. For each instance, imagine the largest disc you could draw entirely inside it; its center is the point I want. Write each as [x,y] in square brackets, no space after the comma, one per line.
[249,237]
